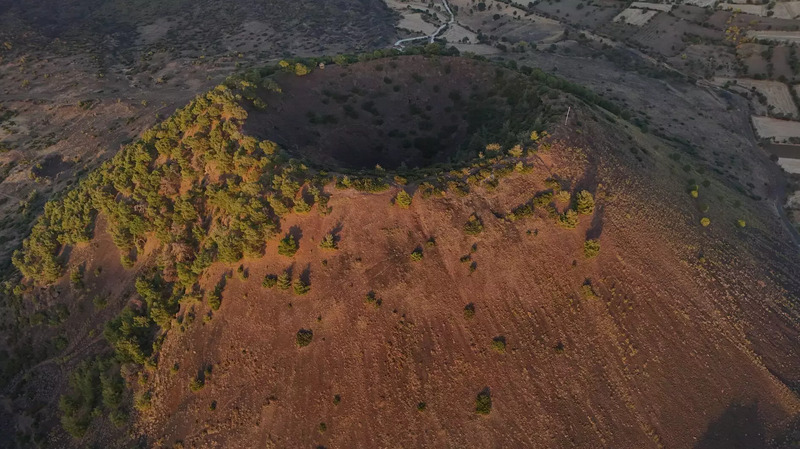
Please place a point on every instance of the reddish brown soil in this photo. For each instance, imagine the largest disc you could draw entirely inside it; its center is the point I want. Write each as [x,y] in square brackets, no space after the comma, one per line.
[674,352]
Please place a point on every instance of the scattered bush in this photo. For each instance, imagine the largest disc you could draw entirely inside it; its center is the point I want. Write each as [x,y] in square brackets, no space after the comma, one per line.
[143,401]
[304,337]
[474,225]
[215,297]
[301,70]
[469,311]
[588,290]
[416,255]
[483,402]
[705,221]
[421,406]
[372,299]
[197,383]
[741,223]
[100,302]
[76,278]
[403,199]
[499,344]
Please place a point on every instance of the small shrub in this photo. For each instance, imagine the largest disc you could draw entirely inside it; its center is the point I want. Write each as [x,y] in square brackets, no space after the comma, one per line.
[301,70]
[705,221]
[469,311]
[483,402]
[322,427]
[287,246]
[336,399]
[403,199]
[118,417]
[741,223]
[421,406]
[127,261]
[416,255]
[142,401]
[304,337]
[242,273]
[197,383]
[76,278]
[431,243]
[588,290]
[591,248]
[474,225]
[499,344]
[100,302]
[371,298]
[215,297]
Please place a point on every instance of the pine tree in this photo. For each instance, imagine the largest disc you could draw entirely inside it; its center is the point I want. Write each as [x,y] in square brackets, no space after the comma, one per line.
[403,199]
[284,281]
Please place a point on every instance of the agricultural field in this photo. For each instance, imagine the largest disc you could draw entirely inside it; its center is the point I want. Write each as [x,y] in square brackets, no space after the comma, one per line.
[788,37]
[635,16]
[780,131]
[771,97]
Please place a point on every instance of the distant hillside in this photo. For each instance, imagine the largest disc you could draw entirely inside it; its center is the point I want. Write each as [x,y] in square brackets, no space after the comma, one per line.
[403,250]
[116,28]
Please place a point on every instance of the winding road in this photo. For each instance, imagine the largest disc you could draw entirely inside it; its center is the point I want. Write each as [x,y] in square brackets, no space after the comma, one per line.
[433,36]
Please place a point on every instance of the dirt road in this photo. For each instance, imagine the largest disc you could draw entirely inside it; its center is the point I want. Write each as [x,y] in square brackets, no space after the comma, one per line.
[438,31]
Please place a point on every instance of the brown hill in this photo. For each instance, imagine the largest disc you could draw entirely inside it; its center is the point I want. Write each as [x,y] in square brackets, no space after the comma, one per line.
[678,333]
